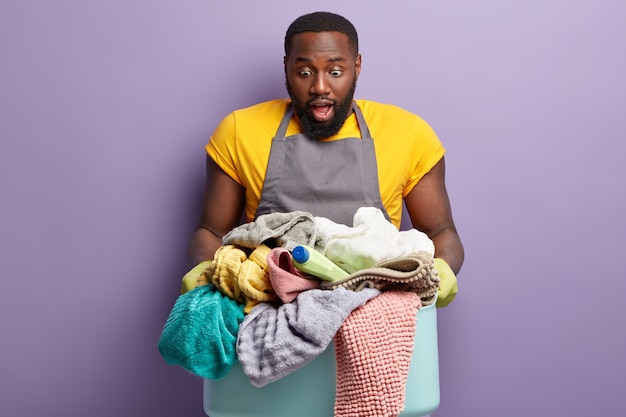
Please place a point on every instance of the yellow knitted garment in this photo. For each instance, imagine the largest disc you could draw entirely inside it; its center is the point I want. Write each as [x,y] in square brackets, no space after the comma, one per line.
[224,270]
[241,277]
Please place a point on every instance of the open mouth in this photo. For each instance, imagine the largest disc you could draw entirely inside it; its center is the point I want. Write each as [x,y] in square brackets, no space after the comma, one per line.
[322,113]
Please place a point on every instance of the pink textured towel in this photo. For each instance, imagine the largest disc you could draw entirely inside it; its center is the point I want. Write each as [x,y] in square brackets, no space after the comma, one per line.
[287,281]
[373,353]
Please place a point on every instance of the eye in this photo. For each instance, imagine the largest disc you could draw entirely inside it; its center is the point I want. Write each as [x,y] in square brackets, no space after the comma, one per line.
[305,73]
[336,73]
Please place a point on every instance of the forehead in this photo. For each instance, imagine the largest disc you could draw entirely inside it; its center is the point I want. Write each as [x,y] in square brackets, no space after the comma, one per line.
[307,44]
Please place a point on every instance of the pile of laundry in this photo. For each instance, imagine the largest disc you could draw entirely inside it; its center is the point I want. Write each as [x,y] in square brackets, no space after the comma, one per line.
[252,305]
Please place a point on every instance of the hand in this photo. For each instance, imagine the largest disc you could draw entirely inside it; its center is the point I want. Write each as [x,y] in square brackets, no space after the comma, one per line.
[448,284]
[195,277]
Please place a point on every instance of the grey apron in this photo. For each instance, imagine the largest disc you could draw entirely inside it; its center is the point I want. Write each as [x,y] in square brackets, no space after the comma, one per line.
[327,179]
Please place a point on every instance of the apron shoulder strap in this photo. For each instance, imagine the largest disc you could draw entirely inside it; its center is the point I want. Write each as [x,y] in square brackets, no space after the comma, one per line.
[284,123]
[365,131]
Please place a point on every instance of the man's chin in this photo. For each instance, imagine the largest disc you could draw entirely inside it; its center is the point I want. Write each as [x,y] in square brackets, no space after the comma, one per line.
[317,124]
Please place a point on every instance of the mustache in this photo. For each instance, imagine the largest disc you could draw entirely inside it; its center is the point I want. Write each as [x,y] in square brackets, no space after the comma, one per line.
[318,98]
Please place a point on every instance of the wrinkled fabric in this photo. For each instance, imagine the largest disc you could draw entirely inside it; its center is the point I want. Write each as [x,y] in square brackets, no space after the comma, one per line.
[286,279]
[287,229]
[371,240]
[409,273]
[242,277]
[275,341]
[200,333]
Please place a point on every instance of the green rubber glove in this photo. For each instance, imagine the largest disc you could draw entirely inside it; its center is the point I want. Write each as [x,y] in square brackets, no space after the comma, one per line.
[193,278]
[448,285]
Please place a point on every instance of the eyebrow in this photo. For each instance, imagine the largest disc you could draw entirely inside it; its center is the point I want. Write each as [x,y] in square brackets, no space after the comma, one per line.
[332,59]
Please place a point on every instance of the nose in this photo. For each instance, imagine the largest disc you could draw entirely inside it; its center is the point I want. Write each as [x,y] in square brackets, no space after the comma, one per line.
[320,85]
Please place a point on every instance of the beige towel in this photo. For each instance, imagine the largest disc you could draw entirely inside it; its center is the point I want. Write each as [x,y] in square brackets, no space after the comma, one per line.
[413,273]
[373,353]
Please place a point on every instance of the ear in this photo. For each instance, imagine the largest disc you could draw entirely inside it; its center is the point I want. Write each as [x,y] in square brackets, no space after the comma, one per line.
[357,66]
[285,63]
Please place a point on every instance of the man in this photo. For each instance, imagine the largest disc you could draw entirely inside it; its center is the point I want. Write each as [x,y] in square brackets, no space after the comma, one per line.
[325,153]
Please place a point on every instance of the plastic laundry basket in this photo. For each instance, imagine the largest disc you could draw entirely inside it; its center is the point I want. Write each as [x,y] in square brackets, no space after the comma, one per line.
[310,391]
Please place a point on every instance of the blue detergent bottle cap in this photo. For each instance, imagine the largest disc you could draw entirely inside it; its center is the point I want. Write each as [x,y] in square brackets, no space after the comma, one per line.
[300,254]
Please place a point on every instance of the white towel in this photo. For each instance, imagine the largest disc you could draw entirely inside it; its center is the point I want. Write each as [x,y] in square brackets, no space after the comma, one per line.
[371,240]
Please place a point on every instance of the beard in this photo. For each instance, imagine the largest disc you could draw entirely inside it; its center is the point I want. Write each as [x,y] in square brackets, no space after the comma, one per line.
[321,130]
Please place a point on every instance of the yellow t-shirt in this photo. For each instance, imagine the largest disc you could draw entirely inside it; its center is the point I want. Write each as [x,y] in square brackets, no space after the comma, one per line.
[406,148]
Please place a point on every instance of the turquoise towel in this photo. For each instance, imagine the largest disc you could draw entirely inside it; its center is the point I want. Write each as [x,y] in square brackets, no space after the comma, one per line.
[200,333]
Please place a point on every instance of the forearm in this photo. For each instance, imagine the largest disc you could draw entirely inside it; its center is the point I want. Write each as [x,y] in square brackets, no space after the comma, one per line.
[203,246]
[448,246]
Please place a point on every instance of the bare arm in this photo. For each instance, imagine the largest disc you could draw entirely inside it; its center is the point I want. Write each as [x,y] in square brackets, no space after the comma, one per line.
[429,208]
[222,205]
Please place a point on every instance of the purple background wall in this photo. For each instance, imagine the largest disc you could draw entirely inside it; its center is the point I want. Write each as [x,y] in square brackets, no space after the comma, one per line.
[104,110]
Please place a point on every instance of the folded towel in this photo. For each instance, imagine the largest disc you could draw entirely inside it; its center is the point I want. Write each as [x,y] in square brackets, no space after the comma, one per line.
[200,333]
[373,350]
[273,342]
[287,280]
[414,273]
[287,229]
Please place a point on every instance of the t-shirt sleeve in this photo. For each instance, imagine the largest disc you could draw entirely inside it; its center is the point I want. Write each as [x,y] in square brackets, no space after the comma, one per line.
[428,151]
[222,147]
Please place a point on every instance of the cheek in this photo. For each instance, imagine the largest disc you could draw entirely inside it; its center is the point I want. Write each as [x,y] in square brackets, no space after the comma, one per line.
[299,87]
[343,86]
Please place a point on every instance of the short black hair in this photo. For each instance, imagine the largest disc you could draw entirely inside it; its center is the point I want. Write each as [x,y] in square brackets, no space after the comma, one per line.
[322,22]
